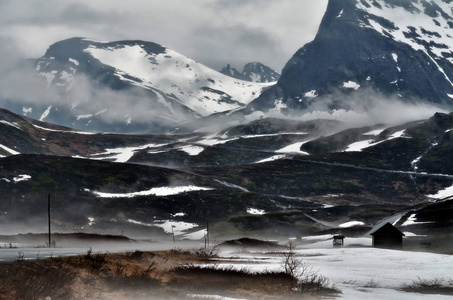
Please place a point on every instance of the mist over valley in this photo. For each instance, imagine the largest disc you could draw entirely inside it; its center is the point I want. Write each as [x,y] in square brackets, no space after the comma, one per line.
[128,143]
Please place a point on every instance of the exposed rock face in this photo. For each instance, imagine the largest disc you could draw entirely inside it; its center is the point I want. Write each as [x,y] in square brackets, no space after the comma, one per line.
[128,86]
[254,72]
[400,49]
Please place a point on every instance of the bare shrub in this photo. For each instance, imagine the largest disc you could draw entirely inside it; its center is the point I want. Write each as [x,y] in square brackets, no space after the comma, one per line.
[96,262]
[179,251]
[428,283]
[305,280]
[230,279]
[20,256]
[372,284]
[138,254]
[213,269]
[430,286]
[136,277]
[32,280]
[207,252]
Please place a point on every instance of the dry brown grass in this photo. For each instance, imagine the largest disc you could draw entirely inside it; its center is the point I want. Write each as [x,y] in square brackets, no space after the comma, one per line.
[136,275]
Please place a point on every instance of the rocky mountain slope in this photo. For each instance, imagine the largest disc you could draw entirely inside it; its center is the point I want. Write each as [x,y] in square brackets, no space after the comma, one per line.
[245,169]
[283,176]
[366,53]
[370,49]
[254,72]
[129,86]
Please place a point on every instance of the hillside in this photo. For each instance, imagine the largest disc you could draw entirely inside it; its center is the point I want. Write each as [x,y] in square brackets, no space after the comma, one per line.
[83,84]
[268,177]
[357,130]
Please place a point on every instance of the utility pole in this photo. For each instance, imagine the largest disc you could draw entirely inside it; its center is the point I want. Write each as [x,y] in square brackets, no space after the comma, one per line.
[207,232]
[48,218]
[173,233]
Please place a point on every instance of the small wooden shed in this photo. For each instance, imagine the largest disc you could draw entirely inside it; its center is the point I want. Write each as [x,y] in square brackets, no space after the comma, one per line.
[338,240]
[387,236]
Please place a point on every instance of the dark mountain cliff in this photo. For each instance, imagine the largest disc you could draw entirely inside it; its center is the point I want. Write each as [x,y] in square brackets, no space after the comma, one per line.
[364,44]
[255,72]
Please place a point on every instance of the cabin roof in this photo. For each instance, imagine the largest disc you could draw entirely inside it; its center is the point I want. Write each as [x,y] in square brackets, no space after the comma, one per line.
[387,228]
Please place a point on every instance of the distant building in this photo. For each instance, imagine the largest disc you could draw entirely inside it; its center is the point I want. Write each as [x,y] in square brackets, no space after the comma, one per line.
[387,236]
[338,240]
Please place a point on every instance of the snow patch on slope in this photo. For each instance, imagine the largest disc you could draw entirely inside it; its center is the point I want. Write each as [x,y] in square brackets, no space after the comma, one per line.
[351,85]
[196,86]
[443,194]
[122,155]
[20,178]
[412,220]
[256,211]
[351,224]
[192,150]
[46,113]
[12,124]
[11,151]
[293,149]
[158,191]
[360,145]
[413,27]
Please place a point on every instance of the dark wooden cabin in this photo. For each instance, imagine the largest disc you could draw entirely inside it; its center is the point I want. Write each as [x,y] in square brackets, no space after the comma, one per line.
[387,236]
[338,240]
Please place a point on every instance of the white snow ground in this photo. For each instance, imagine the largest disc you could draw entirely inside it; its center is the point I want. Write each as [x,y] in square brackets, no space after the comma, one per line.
[352,269]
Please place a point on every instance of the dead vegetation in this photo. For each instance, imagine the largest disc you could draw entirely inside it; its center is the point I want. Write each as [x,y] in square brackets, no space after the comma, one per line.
[304,280]
[439,286]
[174,274]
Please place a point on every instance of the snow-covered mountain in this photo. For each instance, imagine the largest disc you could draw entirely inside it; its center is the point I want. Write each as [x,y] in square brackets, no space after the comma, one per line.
[231,71]
[254,72]
[371,48]
[366,53]
[133,82]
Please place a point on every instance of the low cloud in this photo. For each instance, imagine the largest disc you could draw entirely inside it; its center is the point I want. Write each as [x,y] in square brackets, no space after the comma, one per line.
[367,107]
[284,26]
[22,87]
[241,41]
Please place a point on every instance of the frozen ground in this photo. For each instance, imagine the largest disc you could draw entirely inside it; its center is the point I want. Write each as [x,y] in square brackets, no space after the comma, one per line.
[359,271]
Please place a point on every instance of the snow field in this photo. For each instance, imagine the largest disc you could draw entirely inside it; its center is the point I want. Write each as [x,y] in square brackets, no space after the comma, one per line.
[360,273]
[157,191]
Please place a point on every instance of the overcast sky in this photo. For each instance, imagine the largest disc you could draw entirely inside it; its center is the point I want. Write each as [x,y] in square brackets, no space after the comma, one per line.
[213,32]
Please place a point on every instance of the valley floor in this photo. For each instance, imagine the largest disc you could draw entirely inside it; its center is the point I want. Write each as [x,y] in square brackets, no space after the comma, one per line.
[362,272]
[236,271]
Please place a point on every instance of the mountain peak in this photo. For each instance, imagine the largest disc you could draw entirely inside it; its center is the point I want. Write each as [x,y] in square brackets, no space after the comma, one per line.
[93,78]
[254,72]
[400,49]
[232,72]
